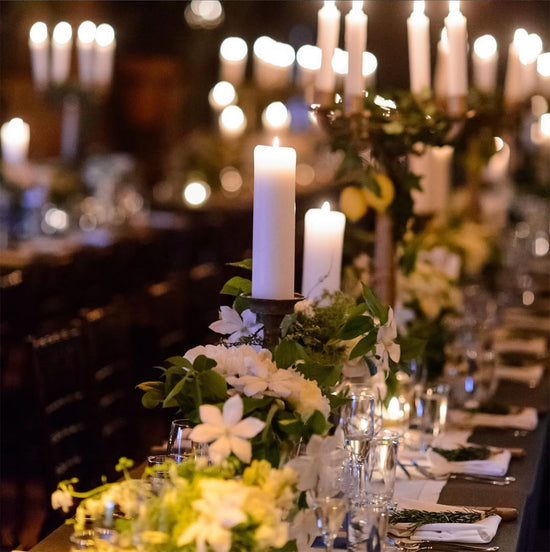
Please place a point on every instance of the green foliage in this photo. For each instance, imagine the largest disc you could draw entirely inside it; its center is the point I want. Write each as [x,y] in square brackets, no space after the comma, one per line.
[237,286]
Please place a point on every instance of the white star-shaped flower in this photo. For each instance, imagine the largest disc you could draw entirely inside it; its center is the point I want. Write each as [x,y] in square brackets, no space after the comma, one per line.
[237,326]
[228,432]
[386,347]
[264,378]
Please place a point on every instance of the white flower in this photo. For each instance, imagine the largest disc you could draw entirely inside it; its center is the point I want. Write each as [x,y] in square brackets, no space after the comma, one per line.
[304,528]
[319,469]
[236,326]
[307,398]
[305,307]
[386,347]
[264,378]
[443,260]
[62,499]
[228,432]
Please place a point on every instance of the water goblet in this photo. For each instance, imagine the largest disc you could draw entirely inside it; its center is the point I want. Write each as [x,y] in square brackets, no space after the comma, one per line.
[357,421]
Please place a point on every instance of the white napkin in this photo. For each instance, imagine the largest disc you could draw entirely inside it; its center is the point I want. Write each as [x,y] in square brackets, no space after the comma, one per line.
[532,346]
[524,320]
[526,418]
[426,490]
[496,464]
[480,532]
[531,375]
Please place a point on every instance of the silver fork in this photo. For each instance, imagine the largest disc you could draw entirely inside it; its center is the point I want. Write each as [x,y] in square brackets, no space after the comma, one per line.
[419,546]
[488,479]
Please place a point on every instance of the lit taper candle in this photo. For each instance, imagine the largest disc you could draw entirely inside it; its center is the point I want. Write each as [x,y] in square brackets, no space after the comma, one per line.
[457,70]
[104,55]
[40,51]
[85,45]
[328,30]
[274,222]
[15,135]
[61,52]
[356,43]
[485,60]
[418,28]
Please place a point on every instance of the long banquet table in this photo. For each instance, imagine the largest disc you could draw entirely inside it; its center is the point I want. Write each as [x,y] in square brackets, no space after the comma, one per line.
[525,494]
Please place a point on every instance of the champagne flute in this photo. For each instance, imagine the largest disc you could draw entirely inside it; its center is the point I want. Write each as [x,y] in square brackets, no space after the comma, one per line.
[357,421]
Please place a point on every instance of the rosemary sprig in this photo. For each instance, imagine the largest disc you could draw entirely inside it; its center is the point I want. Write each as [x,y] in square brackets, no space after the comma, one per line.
[463,454]
[417,518]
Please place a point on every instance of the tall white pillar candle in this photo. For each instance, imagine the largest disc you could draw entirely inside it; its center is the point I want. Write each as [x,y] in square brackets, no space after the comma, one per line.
[61,52]
[422,200]
[105,45]
[85,46]
[308,59]
[513,86]
[370,64]
[485,60]
[455,23]
[543,70]
[233,58]
[328,30]
[40,52]
[440,177]
[274,222]
[441,80]
[418,29]
[356,43]
[323,246]
[15,135]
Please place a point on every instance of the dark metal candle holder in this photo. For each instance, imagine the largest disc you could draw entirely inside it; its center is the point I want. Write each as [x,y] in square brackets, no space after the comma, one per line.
[270,313]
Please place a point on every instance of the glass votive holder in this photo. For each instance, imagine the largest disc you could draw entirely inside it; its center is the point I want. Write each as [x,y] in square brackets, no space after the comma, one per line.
[428,417]
[82,540]
[367,526]
[380,463]
[180,446]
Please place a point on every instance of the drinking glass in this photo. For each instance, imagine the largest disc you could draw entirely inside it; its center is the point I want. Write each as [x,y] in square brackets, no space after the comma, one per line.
[159,474]
[428,415]
[82,540]
[367,527]
[357,421]
[381,462]
[180,446]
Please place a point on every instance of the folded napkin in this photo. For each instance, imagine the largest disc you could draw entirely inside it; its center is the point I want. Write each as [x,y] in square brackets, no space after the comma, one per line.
[523,319]
[531,375]
[526,418]
[532,346]
[480,532]
[496,464]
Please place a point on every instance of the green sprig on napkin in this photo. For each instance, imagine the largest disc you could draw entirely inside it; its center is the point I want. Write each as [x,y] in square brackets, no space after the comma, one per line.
[463,454]
[417,518]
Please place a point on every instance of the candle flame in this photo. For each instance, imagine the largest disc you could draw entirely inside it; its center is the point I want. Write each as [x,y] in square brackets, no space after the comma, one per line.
[38,32]
[105,34]
[86,32]
[418,7]
[394,411]
[357,5]
[62,33]
[520,36]
[326,207]
[454,6]
[276,142]
[545,125]
[330,4]
[485,46]
[499,143]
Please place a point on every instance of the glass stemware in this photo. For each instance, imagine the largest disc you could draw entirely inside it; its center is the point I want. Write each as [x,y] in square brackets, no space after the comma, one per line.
[330,512]
[180,446]
[357,421]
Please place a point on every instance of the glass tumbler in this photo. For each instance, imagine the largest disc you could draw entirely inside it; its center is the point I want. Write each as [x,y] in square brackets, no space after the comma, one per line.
[367,527]
[180,446]
[357,421]
[381,462]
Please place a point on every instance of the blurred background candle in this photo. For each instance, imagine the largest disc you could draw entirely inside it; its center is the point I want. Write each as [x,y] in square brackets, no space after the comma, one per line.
[441,79]
[232,122]
[418,27]
[457,69]
[62,41]
[274,222]
[422,199]
[308,59]
[529,51]
[485,60]
[328,30]
[356,43]
[499,164]
[15,136]
[370,64]
[233,58]
[440,177]
[273,63]
[543,71]
[513,87]
[222,95]
[276,118]
[104,58]
[40,53]
[323,246]
[85,45]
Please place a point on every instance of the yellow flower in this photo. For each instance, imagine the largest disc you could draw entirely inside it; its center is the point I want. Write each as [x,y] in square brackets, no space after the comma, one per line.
[387,193]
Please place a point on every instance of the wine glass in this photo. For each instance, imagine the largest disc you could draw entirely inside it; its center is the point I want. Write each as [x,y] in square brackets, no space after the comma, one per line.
[180,447]
[357,421]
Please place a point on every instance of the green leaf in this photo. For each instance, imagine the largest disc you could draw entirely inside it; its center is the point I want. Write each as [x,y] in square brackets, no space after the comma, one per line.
[174,391]
[364,346]
[151,385]
[250,404]
[374,305]
[355,327]
[237,286]
[371,183]
[203,363]
[286,324]
[325,376]
[240,304]
[411,348]
[245,263]
[291,425]
[178,361]
[287,352]
[337,401]
[152,398]
[214,386]
[317,423]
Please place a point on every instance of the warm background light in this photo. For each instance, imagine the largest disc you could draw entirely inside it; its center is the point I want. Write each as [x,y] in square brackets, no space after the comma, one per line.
[38,32]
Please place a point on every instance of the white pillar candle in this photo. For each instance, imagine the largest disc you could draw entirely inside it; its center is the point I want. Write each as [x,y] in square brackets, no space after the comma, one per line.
[273,62]
[340,66]
[528,54]
[441,81]
[15,135]
[356,43]
[104,57]
[422,200]
[440,177]
[308,58]
[61,52]
[276,118]
[418,27]
[485,60]
[543,71]
[323,246]
[457,71]
[513,86]
[328,31]
[232,122]
[222,94]
[40,53]
[85,45]
[233,58]
[370,64]
[274,222]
